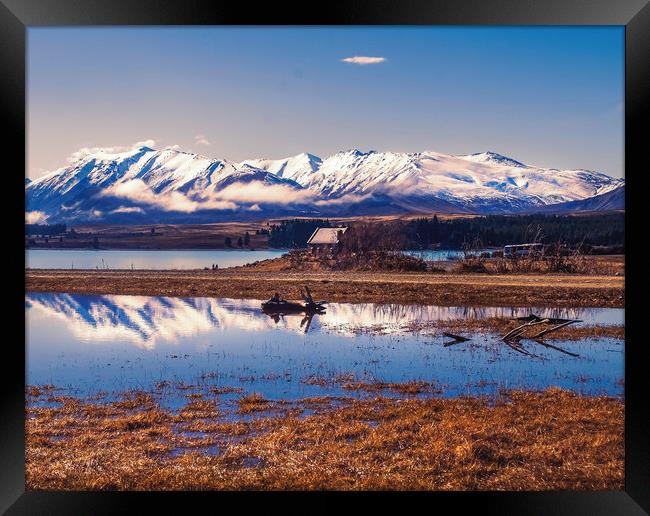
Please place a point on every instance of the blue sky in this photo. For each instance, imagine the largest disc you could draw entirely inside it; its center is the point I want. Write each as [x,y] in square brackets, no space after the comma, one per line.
[550,96]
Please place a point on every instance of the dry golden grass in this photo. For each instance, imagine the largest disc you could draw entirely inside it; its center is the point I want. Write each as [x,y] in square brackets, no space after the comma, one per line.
[553,290]
[226,390]
[375,261]
[199,409]
[349,382]
[553,264]
[524,441]
[253,403]
[501,326]
[486,325]
[411,387]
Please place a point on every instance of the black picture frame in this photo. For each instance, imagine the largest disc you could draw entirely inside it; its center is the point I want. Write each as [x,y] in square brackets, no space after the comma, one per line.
[17,15]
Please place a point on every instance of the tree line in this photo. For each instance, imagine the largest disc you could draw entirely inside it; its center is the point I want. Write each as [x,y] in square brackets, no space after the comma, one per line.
[246,241]
[457,233]
[500,230]
[45,229]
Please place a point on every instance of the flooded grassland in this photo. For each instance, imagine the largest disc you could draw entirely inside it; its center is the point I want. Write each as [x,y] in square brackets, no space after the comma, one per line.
[144,392]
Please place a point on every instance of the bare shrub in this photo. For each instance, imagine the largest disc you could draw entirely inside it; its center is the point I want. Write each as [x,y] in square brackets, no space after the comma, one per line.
[473,259]
[379,261]
[363,247]
[557,258]
[378,236]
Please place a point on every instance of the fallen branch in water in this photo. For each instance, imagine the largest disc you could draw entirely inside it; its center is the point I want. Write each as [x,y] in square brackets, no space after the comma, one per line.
[456,339]
[520,329]
[557,348]
[519,348]
[553,328]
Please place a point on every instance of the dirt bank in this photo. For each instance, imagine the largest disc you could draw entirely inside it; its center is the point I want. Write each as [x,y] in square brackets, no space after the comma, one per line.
[544,290]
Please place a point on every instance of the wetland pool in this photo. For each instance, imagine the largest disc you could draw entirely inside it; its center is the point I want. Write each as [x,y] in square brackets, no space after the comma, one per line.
[89,344]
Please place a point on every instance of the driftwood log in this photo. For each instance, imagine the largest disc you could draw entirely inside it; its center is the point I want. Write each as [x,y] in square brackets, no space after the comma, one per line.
[551,320]
[513,334]
[534,320]
[520,349]
[553,328]
[309,300]
[456,339]
[557,348]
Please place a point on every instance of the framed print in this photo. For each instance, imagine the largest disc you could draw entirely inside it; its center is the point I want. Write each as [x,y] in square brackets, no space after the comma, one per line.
[373,251]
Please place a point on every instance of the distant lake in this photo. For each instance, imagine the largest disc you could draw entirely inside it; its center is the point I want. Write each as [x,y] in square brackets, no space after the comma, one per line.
[140,259]
[435,255]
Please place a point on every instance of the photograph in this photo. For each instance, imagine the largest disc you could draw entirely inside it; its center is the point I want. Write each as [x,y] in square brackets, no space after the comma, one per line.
[325,257]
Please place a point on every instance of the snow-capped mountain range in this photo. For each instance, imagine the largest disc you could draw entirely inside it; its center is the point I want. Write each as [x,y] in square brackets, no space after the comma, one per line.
[148,185]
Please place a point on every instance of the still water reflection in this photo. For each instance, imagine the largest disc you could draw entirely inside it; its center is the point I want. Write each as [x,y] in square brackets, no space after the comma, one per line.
[110,343]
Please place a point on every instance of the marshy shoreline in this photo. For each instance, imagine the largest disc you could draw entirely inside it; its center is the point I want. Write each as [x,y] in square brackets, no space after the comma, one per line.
[524,440]
[444,289]
[359,433]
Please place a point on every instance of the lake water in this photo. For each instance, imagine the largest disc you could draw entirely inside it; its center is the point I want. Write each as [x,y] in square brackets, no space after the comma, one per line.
[143,259]
[172,259]
[88,344]
[436,255]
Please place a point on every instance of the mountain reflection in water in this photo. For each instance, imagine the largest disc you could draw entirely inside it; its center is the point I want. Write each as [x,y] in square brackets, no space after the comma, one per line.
[145,320]
[89,344]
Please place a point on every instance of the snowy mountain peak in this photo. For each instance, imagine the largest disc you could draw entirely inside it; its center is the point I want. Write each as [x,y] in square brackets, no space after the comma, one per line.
[355,152]
[296,168]
[493,157]
[108,154]
[310,160]
[308,156]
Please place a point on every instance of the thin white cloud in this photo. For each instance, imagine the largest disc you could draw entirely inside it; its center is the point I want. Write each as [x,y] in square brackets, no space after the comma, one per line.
[136,190]
[259,192]
[128,209]
[200,139]
[85,151]
[144,143]
[35,217]
[229,198]
[344,199]
[364,60]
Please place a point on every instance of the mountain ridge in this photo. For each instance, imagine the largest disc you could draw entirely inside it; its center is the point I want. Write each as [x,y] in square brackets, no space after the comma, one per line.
[145,184]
